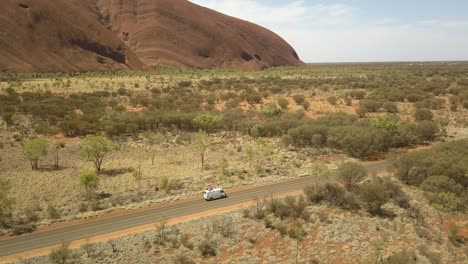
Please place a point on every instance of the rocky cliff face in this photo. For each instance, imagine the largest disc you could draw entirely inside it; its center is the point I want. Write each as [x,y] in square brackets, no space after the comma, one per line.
[59,35]
[94,35]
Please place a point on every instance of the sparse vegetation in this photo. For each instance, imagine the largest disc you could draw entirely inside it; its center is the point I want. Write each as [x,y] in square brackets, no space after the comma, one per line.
[6,203]
[273,124]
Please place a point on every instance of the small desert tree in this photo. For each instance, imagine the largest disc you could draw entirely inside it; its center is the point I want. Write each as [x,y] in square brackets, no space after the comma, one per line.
[155,141]
[95,149]
[351,173]
[201,143]
[55,148]
[256,154]
[6,202]
[89,181]
[320,172]
[34,150]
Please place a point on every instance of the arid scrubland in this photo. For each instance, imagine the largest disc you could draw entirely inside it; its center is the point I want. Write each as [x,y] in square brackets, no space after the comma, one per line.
[249,127]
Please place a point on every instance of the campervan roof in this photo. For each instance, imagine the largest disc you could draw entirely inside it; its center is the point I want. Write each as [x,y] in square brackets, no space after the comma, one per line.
[213,189]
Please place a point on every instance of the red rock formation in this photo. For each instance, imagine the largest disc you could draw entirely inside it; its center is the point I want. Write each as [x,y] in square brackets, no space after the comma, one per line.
[93,35]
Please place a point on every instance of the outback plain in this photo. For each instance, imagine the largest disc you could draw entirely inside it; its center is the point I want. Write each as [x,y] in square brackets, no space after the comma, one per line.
[75,146]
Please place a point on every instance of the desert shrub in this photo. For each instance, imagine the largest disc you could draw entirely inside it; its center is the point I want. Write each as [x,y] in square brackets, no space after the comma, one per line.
[122,91]
[394,192]
[361,111]
[207,122]
[268,222]
[31,215]
[358,94]
[6,203]
[282,228]
[371,105]
[252,96]
[275,127]
[207,248]
[373,196]
[390,107]
[163,183]
[52,212]
[296,232]
[434,104]
[231,119]
[333,194]
[22,228]
[309,135]
[271,110]
[403,257]
[442,184]
[314,193]
[297,205]
[184,84]
[332,100]
[423,114]
[336,196]
[358,141]
[279,208]
[414,98]
[411,168]
[282,102]
[62,255]
[351,173]
[426,130]
[299,98]
[89,181]
[440,173]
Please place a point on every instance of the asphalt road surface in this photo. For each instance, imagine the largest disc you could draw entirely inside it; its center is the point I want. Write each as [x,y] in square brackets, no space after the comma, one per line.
[76,231]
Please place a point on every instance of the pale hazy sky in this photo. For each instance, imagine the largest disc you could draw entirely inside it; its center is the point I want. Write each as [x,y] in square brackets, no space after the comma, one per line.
[361,30]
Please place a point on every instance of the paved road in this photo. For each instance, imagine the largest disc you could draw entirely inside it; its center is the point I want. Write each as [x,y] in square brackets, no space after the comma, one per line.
[141,217]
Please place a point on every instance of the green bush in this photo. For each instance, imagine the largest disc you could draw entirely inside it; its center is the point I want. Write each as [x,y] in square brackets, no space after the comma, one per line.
[374,196]
[371,105]
[207,122]
[207,248]
[332,100]
[34,150]
[440,172]
[358,141]
[6,203]
[296,232]
[423,114]
[271,110]
[299,98]
[426,130]
[358,95]
[390,107]
[351,173]
[283,102]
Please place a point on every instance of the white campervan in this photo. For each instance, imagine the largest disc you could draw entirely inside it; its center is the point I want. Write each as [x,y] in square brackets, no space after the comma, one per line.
[214,193]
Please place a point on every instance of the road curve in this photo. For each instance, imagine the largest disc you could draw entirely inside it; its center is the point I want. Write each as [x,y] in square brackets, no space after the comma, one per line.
[106,225]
